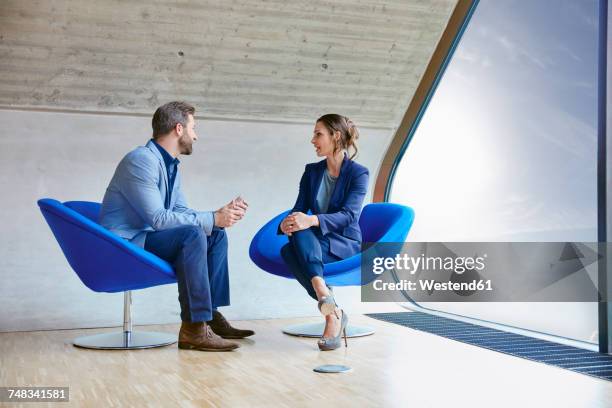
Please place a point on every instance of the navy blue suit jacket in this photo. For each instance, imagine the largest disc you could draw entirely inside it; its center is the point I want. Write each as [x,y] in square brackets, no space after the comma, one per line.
[340,224]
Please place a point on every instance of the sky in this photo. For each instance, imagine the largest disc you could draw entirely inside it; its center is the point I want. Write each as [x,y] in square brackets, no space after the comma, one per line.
[506,150]
[507,147]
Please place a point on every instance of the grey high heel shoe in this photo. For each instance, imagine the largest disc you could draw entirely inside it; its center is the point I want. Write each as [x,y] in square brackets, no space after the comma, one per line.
[327,304]
[332,343]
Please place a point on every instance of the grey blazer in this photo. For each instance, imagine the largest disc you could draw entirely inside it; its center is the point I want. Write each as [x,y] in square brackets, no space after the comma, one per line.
[134,201]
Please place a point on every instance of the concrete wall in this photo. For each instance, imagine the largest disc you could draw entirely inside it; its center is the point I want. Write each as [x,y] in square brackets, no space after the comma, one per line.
[249,59]
[71,156]
[79,80]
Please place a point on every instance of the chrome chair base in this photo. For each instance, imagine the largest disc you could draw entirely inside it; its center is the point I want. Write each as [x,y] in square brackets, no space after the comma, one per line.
[125,340]
[316,330]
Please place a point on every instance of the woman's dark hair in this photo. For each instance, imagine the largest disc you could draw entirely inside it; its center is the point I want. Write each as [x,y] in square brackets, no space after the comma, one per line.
[348,132]
[167,116]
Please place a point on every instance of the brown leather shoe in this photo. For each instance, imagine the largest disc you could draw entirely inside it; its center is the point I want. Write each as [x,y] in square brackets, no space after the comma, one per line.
[199,336]
[222,327]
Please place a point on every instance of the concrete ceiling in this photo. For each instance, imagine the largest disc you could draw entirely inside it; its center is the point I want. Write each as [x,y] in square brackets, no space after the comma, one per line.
[251,59]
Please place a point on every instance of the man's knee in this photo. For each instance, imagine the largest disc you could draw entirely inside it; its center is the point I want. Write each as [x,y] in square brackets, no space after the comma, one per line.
[193,233]
[218,237]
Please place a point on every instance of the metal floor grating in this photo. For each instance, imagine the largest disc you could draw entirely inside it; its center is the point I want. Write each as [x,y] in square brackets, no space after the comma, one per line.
[559,355]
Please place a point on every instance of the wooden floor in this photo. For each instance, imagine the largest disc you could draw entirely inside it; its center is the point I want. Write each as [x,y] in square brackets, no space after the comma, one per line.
[395,367]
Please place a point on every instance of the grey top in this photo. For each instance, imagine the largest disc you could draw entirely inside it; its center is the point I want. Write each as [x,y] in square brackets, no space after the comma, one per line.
[325,191]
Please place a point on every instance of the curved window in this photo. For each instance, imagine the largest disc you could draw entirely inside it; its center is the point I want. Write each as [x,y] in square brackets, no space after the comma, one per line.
[507,147]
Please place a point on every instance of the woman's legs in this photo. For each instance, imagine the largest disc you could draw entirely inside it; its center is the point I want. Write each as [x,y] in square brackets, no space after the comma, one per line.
[291,259]
[305,255]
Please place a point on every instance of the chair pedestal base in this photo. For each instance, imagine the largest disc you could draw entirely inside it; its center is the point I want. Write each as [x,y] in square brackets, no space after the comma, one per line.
[316,330]
[125,340]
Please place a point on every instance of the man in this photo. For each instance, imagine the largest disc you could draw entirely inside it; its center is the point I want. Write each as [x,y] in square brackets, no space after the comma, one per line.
[144,203]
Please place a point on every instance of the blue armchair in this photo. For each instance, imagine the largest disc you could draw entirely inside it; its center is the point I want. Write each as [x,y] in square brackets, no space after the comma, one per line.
[379,222]
[107,263]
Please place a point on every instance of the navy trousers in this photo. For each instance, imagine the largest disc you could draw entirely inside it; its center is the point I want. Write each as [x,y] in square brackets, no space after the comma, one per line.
[200,263]
[305,255]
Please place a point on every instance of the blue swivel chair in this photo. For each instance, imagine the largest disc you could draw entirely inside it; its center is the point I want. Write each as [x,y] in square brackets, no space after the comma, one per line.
[107,263]
[379,222]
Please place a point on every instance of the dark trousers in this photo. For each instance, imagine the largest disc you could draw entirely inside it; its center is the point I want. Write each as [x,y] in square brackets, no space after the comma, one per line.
[200,263]
[305,255]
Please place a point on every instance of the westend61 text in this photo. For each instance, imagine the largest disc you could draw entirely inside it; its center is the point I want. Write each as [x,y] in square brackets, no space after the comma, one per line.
[432,285]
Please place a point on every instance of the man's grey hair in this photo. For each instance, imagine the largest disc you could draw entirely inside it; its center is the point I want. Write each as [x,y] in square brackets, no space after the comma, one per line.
[167,116]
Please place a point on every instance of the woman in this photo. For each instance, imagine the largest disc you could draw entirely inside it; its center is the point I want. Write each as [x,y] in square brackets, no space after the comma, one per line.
[333,191]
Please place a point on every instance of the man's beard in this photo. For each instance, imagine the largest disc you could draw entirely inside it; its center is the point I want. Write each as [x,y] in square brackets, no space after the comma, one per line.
[185,145]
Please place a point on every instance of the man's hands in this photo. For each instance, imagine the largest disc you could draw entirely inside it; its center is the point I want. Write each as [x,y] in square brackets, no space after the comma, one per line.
[298,221]
[230,213]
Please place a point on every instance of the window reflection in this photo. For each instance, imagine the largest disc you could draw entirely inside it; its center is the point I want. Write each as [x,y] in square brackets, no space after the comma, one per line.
[506,150]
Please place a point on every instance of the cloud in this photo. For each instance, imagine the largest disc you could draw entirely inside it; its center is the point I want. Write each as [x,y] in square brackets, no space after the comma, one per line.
[566,50]
[583,84]
[473,57]
[563,130]
[516,52]
[584,11]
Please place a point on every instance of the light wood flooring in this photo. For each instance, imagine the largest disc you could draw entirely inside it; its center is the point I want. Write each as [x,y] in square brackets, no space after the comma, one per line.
[396,366]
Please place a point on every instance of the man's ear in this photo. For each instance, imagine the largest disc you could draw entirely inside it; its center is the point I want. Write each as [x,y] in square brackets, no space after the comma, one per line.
[179,129]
